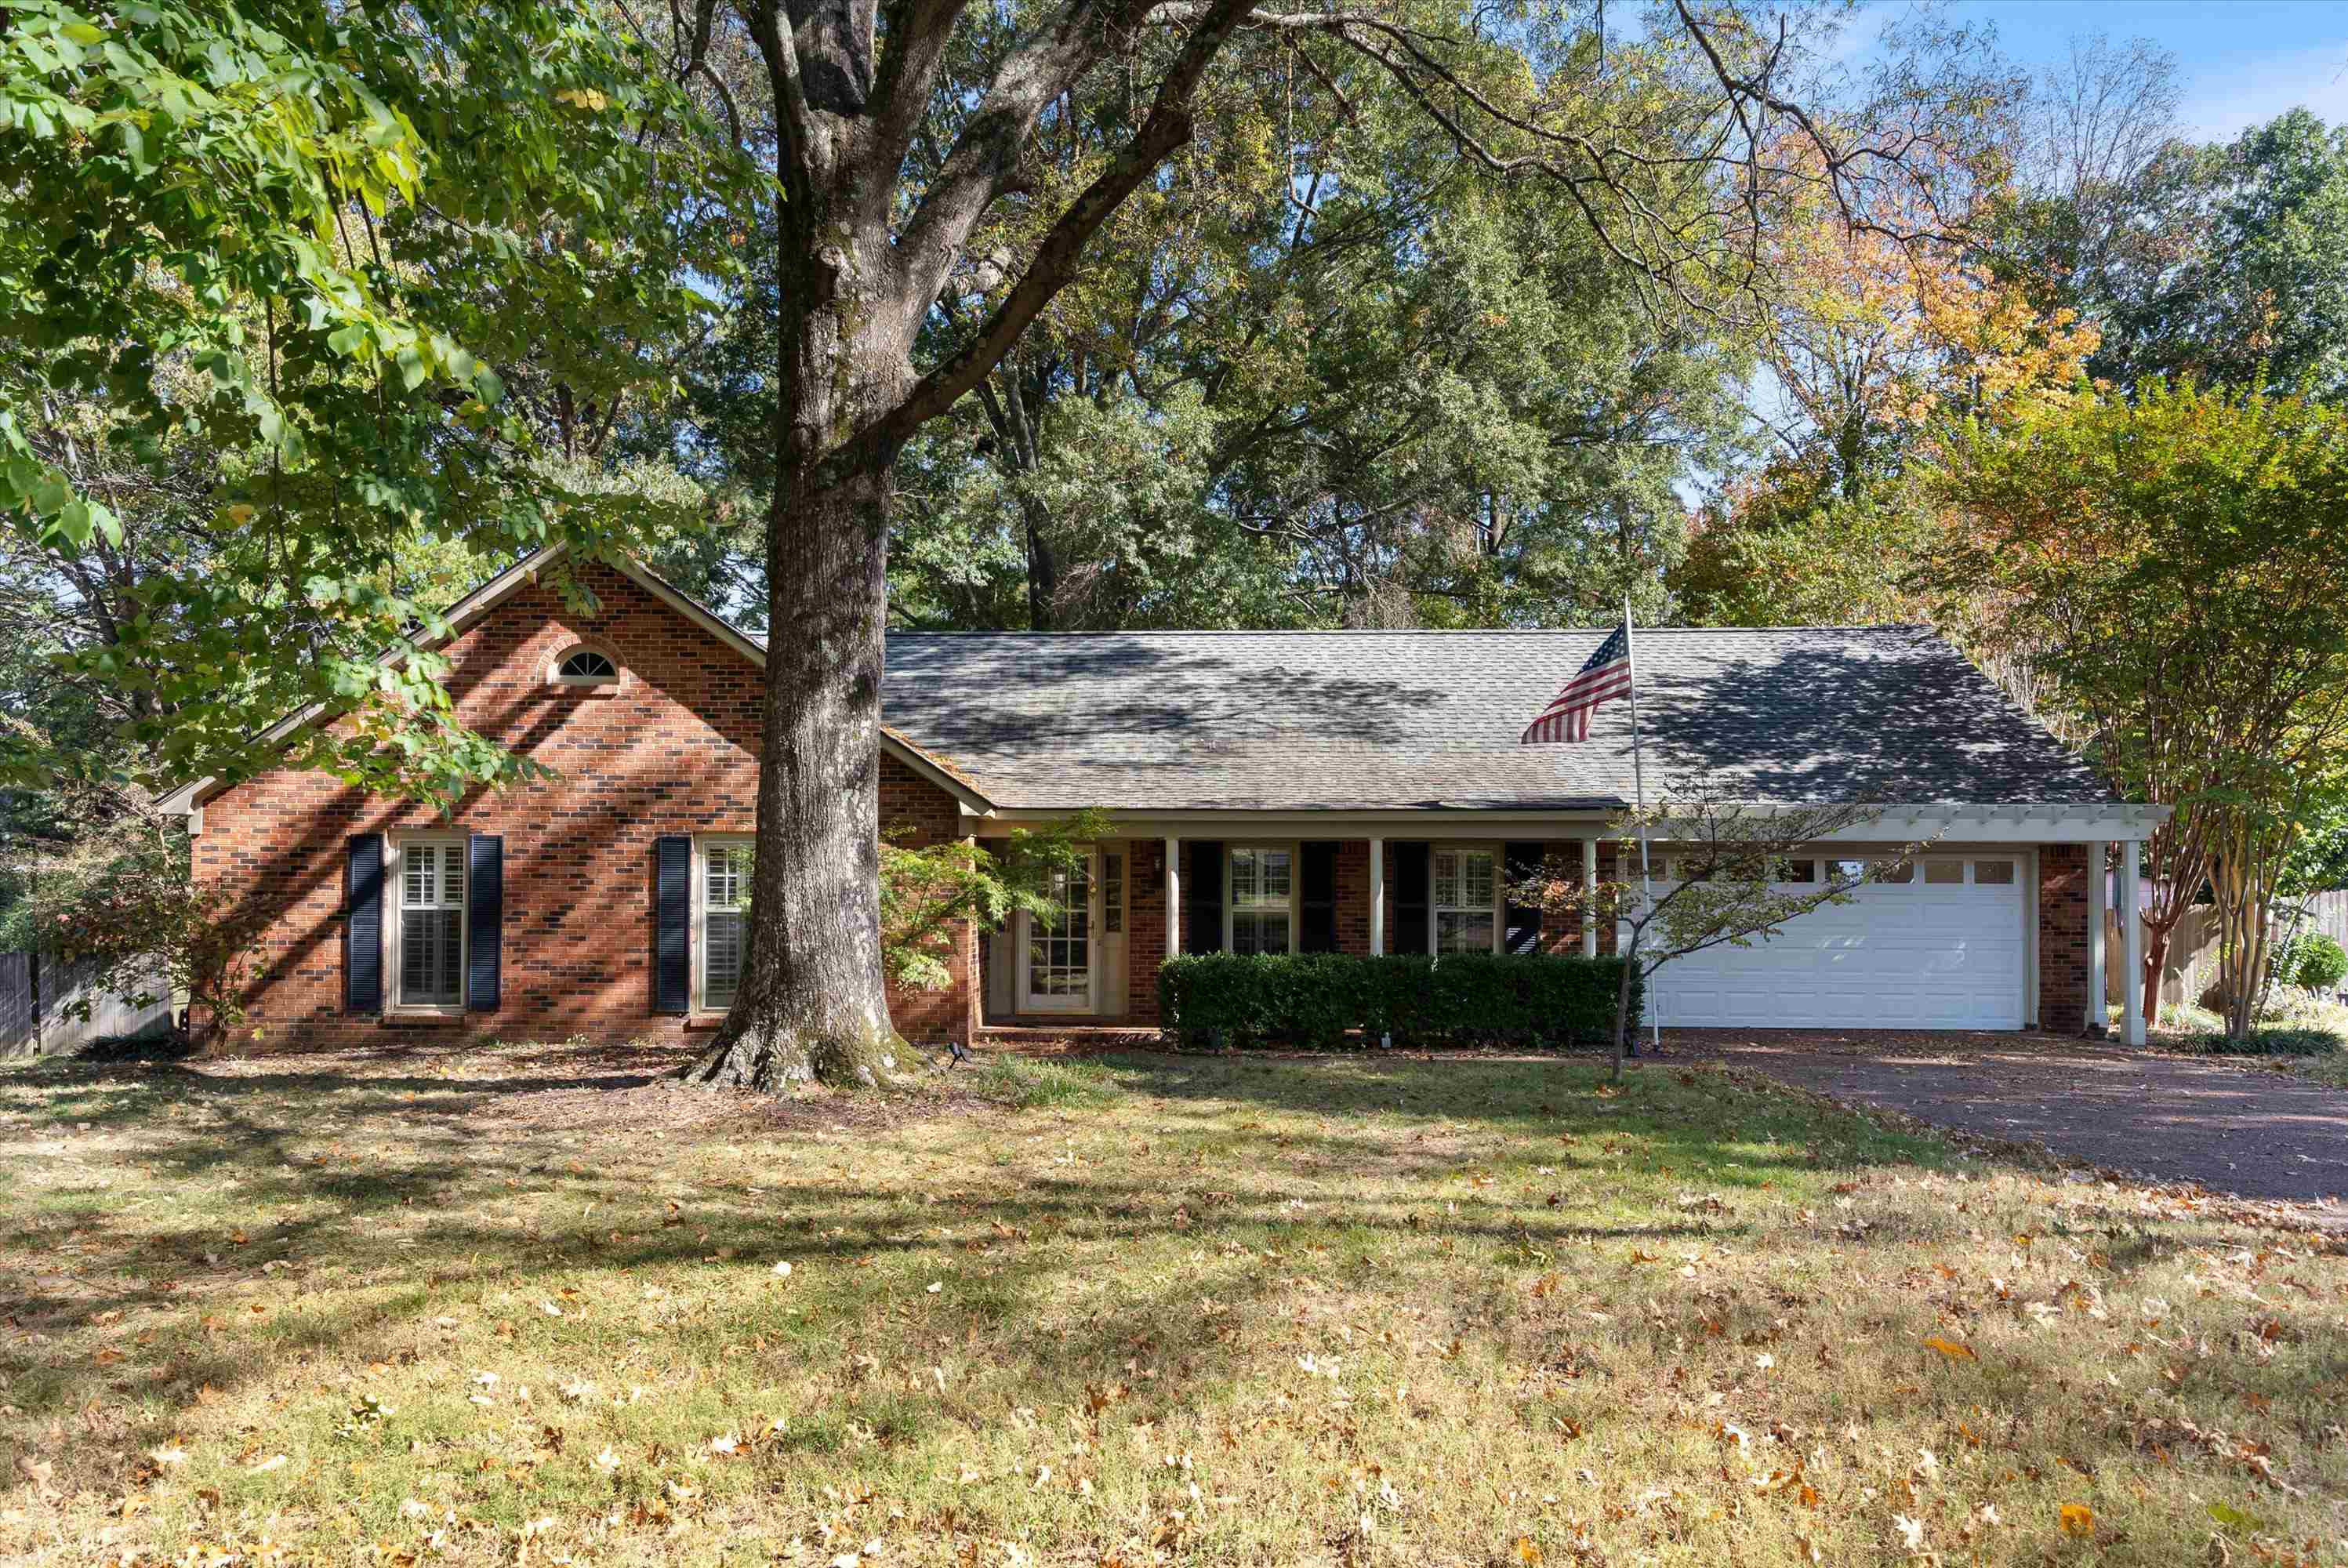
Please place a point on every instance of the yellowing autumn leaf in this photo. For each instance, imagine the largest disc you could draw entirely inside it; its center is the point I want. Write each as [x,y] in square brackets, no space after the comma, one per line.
[2078,1518]
[584,98]
[1951,1349]
[1525,1551]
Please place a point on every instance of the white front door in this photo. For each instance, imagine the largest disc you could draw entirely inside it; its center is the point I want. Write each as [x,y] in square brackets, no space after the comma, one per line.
[1945,948]
[1059,955]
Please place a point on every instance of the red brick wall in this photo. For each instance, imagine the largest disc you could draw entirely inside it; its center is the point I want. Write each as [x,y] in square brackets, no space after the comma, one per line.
[1145,927]
[671,751]
[2063,937]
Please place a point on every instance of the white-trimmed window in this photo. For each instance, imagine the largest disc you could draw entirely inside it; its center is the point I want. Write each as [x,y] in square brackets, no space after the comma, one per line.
[584,667]
[1261,907]
[1112,893]
[1466,899]
[428,939]
[722,918]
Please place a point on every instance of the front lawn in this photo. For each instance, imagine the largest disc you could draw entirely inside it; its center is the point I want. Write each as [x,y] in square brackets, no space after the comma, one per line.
[529,1304]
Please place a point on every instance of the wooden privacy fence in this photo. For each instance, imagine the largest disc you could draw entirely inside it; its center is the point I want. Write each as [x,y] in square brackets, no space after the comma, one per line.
[41,997]
[2192,966]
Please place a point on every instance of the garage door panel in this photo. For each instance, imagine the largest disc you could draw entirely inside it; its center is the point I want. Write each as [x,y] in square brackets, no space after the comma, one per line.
[1912,956]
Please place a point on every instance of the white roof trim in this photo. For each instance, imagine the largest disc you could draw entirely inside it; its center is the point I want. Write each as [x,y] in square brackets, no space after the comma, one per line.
[188,798]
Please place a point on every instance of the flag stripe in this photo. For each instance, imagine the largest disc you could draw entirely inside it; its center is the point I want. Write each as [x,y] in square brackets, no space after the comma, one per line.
[1606,676]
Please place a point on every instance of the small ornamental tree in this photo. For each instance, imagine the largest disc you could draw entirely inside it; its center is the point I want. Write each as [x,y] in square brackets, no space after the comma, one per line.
[926,892]
[1729,885]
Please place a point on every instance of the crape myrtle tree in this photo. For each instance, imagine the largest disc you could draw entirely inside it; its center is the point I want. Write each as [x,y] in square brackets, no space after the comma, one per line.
[903,132]
[1726,872]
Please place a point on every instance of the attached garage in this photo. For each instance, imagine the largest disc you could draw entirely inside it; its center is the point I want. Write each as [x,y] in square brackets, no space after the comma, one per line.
[1942,943]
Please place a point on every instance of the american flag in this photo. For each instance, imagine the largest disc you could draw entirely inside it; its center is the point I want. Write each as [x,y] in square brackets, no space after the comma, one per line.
[1608,674]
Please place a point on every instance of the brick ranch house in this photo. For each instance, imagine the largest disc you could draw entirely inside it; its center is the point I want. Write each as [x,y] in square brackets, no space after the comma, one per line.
[1348,792]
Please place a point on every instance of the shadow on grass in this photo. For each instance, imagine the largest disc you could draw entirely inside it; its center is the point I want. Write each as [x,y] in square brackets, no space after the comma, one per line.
[1348,1121]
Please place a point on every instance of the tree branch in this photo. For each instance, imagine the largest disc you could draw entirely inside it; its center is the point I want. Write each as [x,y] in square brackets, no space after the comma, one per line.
[1167,127]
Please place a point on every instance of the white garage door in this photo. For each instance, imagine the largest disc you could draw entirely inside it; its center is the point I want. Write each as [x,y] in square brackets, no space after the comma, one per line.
[1943,949]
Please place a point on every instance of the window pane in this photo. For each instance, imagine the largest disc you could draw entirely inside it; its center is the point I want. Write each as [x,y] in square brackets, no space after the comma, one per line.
[722,964]
[1478,880]
[1847,870]
[452,874]
[420,877]
[1891,871]
[1259,879]
[1942,873]
[1988,873]
[1447,877]
[1259,931]
[1243,878]
[1463,931]
[1798,871]
[1275,876]
[431,957]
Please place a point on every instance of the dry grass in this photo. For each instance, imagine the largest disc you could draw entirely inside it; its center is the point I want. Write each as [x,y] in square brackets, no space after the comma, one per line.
[526,1306]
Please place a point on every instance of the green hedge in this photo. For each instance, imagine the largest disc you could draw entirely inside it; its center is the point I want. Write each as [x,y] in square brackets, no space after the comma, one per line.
[1327,999]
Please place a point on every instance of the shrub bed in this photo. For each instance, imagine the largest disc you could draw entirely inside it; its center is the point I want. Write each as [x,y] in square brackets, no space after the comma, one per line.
[2266,1040]
[1321,1000]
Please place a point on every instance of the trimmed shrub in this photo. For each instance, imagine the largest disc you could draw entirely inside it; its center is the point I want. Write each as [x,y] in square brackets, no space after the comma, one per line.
[1322,1000]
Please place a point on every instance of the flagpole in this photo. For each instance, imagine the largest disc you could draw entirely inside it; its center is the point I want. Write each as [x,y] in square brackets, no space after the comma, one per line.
[1639,789]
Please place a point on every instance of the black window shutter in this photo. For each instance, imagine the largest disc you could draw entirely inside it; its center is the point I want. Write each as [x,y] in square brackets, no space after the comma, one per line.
[363,926]
[1316,890]
[484,918]
[672,924]
[1202,898]
[1409,877]
[1520,922]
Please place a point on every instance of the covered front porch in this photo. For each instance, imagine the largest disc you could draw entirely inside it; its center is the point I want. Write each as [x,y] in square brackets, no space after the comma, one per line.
[2003,915]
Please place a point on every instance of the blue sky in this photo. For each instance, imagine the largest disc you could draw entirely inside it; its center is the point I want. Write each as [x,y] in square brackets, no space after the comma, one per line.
[2239,61]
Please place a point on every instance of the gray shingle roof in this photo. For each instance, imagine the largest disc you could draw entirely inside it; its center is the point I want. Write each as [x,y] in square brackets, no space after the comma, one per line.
[1384,720]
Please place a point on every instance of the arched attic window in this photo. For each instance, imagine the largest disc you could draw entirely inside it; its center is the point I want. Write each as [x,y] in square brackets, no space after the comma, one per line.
[584,667]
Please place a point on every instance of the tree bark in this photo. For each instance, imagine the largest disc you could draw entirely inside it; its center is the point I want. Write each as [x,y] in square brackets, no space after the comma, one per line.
[813,1002]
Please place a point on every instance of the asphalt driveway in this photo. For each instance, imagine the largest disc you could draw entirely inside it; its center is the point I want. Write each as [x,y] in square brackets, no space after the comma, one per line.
[2168,1119]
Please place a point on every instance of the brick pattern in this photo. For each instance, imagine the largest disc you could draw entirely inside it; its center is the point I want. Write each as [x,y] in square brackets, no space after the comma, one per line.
[1145,927]
[2063,938]
[671,750]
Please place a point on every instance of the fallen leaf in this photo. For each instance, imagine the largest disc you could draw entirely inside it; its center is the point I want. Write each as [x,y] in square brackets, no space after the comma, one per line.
[1951,1349]
[2078,1518]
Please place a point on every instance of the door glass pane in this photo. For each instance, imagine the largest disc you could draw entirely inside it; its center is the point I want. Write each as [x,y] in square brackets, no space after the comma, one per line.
[1799,871]
[1993,872]
[1943,873]
[1060,940]
[1891,871]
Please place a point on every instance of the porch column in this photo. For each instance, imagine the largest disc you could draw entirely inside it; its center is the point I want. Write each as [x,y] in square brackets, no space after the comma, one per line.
[1378,897]
[2131,943]
[1173,897]
[1589,898]
[2099,1018]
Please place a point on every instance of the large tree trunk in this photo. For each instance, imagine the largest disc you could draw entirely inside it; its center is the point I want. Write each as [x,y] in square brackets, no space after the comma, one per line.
[812,1003]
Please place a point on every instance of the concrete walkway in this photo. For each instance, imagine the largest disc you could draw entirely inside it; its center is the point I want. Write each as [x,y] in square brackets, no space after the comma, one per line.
[2169,1119]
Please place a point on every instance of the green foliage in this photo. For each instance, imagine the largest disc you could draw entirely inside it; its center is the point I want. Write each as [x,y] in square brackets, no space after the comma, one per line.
[2268,1040]
[2313,962]
[268,275]
[2253,291]
[926,893]
[127,905]
[1787,549]
[1323,1000]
